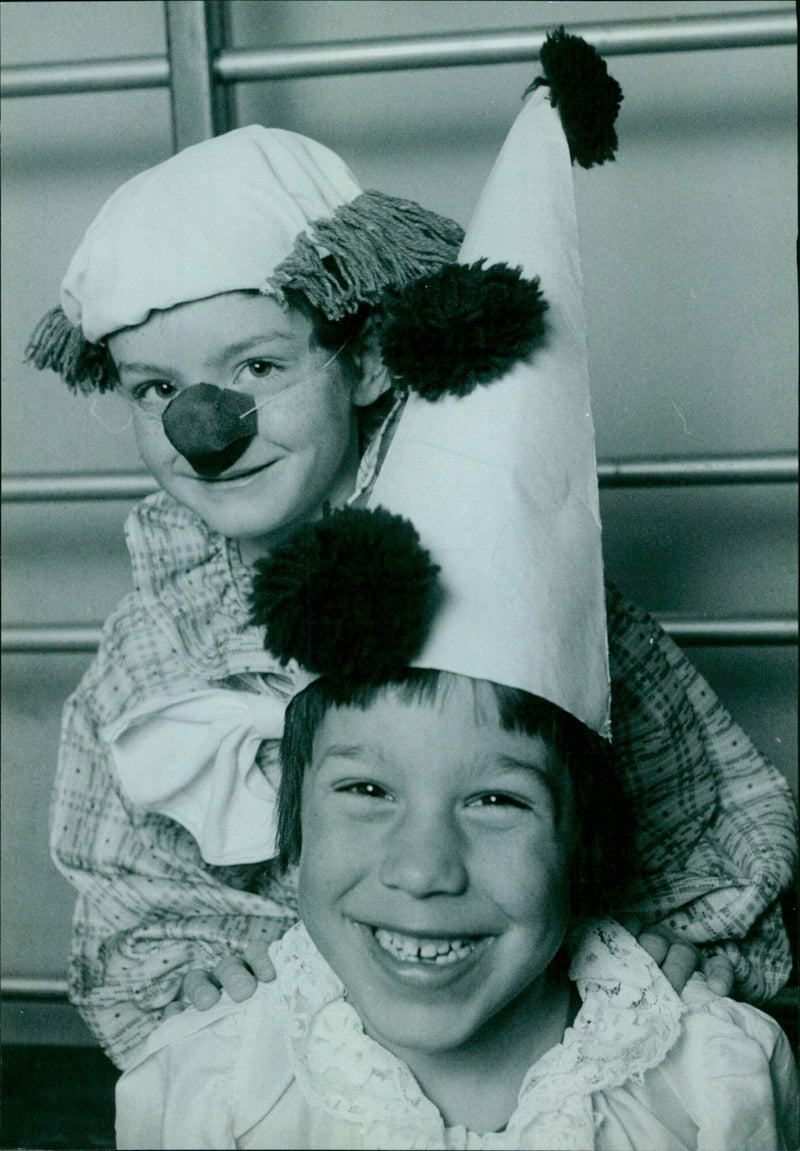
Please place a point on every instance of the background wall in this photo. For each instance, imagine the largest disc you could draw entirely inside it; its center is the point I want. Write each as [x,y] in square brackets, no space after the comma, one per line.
[688,247]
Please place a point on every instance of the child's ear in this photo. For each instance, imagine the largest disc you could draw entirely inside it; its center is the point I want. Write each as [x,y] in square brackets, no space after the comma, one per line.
[372,375]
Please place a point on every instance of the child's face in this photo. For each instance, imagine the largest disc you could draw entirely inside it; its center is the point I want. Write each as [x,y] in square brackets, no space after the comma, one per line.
[306,449]
[429,831]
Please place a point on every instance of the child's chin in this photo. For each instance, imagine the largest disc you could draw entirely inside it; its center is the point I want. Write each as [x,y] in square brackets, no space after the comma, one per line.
[235,526]
[418,1030]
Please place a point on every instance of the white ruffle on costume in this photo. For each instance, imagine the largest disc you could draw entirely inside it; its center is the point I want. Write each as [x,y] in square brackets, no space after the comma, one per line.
[640,1068]
[195,760]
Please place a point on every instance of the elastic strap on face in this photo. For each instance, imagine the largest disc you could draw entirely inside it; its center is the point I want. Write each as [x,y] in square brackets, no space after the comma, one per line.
[61,346]
[306,379]
[375,241]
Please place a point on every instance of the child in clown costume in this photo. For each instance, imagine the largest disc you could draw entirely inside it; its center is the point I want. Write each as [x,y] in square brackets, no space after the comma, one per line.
[248,323]
[455,980]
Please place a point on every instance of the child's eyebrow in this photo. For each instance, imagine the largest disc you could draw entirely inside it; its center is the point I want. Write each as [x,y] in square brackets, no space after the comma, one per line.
[543,771]
[143,369]
[513,764]
[355,751]
[226,353]
[262,336]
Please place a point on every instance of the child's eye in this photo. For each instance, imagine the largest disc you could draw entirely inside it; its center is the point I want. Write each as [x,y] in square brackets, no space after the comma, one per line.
[153,394]
[365,788]
[499,799]
[259,369]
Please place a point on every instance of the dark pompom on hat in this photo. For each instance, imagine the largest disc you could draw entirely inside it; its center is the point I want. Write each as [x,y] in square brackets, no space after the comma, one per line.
[587,98]
[462,326]
[352,594]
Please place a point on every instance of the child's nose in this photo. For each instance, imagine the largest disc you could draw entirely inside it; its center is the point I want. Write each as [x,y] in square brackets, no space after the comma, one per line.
[423,858]
[211,427]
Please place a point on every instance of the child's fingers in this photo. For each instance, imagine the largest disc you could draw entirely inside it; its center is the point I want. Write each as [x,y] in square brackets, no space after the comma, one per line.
[236,978]
[680,963]
[257,956]
[655,945]
[718,972]
[174,1008]
[200,990]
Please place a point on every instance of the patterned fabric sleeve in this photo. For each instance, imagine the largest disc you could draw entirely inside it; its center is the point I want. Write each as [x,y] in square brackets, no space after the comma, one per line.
[716,824]
[148,908]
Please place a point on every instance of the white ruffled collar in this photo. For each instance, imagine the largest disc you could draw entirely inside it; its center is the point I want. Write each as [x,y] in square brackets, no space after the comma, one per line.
[628,1021]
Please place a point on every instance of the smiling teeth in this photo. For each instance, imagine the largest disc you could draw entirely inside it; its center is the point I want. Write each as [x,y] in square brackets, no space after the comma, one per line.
[413,948]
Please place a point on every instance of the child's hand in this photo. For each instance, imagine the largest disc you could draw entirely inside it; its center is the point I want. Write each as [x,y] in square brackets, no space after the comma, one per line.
[238,977]
[679,961]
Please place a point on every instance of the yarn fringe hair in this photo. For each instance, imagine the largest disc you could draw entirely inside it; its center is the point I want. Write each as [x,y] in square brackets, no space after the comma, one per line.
[376,241]
[61,346]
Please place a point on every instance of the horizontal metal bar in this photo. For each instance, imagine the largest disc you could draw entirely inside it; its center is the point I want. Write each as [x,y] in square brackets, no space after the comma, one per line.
[692,631]
[514,45]
[611,474]
[21,489]
[708,470]
[19,987]
[52,638]
[68,78]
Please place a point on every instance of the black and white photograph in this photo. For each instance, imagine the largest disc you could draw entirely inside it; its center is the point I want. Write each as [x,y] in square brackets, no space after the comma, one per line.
[399,586]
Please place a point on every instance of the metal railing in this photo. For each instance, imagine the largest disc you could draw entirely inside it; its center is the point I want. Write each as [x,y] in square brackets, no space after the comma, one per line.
[649,473]
[518,45]
[231,66]
[687,630]
[698,631]
[25,489]
[23,987]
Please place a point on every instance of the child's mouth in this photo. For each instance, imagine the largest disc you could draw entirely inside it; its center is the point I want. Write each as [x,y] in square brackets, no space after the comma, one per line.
[239,478]
[421,949]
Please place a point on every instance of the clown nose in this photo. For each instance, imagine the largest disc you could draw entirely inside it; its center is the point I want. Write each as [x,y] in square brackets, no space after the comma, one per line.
[210,426]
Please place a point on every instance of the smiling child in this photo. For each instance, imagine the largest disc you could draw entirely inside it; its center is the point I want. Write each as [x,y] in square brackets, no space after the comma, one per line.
[452,983]
[305,450]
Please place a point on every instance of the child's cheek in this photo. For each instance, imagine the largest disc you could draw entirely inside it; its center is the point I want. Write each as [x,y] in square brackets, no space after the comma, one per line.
[151,441]
[302,409]
[532,880]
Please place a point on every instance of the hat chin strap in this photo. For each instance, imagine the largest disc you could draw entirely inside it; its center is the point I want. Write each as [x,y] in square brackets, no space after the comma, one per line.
[211,427]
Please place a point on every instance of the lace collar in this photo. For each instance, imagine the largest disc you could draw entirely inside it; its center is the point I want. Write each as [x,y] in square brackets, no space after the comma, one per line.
[628,1021]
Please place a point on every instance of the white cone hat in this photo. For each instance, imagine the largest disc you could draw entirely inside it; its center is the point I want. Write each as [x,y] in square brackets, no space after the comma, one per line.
[502,484]
[492,462]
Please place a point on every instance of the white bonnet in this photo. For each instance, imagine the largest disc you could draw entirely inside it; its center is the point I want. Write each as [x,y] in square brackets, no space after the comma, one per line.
[219,216]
